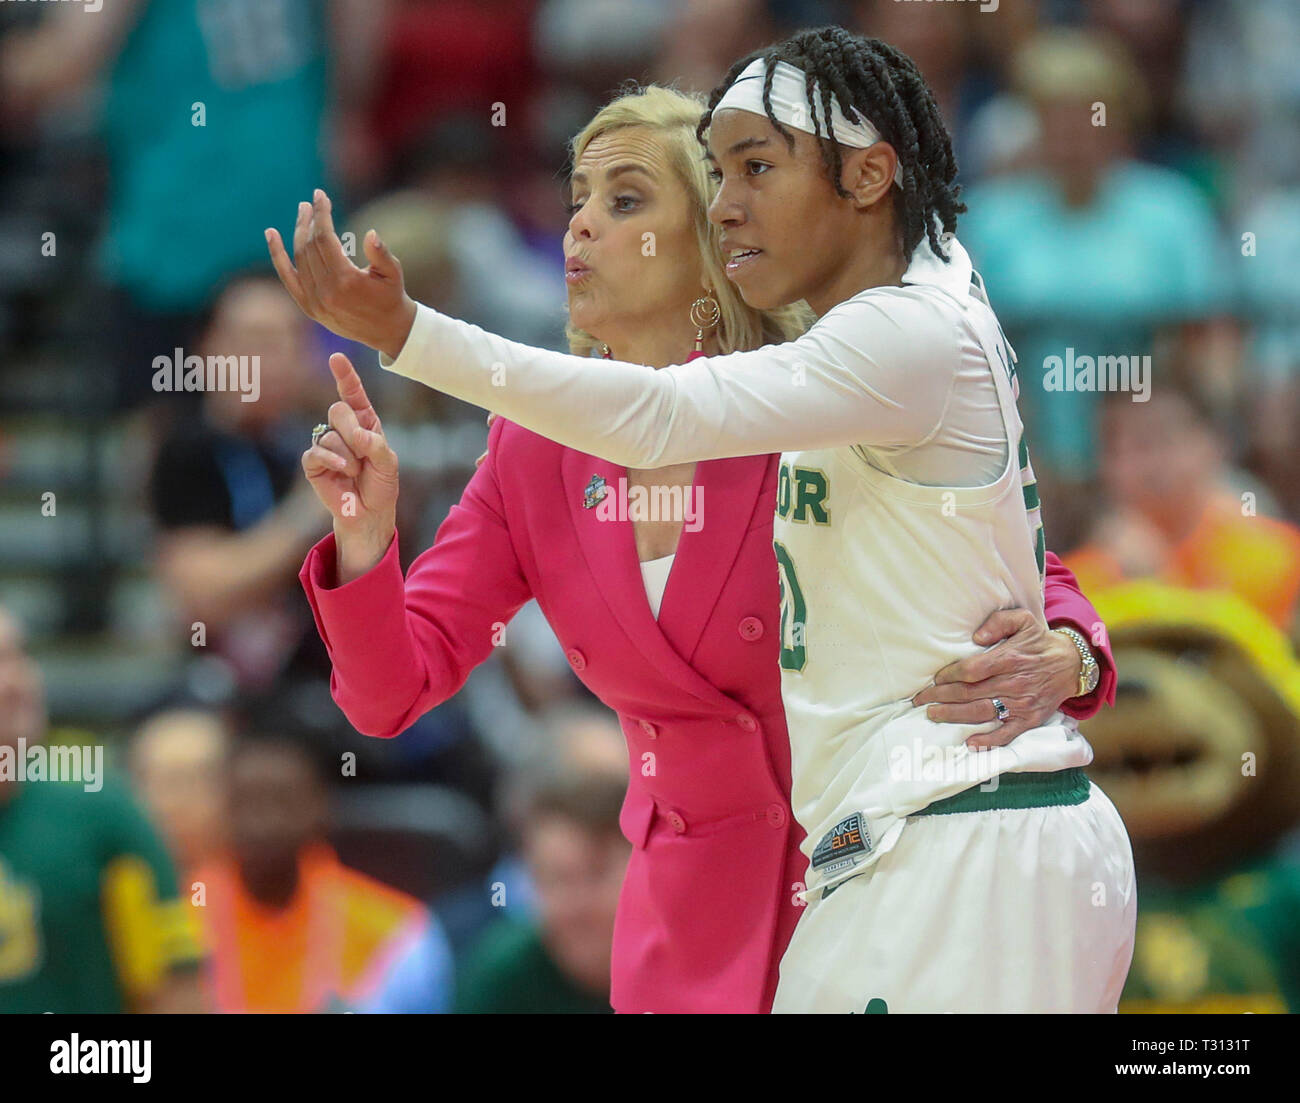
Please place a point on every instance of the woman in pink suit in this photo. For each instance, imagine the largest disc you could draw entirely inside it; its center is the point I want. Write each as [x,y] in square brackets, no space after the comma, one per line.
[709,901]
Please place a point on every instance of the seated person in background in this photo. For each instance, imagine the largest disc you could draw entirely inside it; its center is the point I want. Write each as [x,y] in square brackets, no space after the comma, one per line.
[1142,244]
[289,927]
[552,954]
[236,519]
[1173,517]
[177,762]
[90,919]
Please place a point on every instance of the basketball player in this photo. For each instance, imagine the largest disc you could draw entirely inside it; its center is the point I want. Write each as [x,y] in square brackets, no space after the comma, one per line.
[941,878]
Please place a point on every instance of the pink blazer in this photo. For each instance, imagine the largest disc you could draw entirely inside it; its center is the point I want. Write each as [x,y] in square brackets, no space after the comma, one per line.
[708,903]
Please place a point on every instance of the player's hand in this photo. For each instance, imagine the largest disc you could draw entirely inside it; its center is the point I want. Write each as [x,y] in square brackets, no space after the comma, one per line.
[490,419]
[369,305]
[352,468]
[1032,670]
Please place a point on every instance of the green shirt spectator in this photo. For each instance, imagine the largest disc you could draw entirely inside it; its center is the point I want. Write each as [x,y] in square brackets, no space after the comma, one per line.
[90,918]
[509,971]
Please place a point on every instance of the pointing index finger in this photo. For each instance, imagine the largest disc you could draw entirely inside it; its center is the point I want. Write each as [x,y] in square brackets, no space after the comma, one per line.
[353,392]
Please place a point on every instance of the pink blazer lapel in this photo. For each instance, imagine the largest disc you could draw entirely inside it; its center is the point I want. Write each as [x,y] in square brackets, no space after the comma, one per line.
[704,559]
[726,494]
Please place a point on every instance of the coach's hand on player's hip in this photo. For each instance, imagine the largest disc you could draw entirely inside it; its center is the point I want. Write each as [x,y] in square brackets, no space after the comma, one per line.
[369,305]
[354,472]
[1032,670]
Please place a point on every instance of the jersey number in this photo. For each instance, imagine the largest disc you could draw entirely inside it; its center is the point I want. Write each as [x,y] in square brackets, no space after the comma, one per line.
[794,610]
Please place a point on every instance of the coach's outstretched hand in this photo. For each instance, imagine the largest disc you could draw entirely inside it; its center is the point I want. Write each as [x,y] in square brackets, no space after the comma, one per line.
[354,472]
[369,305]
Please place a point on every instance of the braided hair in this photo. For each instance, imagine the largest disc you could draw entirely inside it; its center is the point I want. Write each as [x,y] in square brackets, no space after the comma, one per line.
[871,78]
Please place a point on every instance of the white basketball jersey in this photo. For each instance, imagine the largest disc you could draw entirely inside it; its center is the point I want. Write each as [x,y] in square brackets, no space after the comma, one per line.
[883,583]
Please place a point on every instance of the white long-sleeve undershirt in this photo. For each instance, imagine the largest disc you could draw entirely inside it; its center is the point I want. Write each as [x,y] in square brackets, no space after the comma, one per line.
[895,370]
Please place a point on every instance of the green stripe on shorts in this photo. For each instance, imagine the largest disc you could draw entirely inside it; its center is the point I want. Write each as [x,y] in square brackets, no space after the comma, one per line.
[1019,790]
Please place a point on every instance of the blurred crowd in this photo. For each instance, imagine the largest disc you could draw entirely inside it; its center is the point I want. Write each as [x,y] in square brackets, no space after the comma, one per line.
[1132,171]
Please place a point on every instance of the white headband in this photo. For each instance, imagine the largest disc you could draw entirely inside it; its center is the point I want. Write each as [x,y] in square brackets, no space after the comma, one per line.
[790,106]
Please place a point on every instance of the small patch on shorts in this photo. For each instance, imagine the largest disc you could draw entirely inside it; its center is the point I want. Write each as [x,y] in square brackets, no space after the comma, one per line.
[843,846]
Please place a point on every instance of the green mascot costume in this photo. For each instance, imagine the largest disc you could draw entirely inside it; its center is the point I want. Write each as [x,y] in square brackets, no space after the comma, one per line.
[1201,756]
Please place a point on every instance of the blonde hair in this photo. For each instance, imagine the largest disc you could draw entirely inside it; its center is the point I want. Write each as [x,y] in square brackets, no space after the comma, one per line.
[672,116]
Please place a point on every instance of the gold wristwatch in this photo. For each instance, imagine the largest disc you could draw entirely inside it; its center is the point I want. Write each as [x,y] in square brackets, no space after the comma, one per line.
[1090,674]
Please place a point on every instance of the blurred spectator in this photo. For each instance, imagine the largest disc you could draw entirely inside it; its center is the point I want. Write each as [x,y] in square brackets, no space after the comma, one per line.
[1091,250]
[1174,517]
[177,761]
[419,980]
[90,919]
[596,44]
[290,928]
[506,284]
[942,43]
[443,58]
[1241,82]
[699,44]
[1269,294]
[1267,239]
[216,116]
[236,516]
[1156,32]
[564,809]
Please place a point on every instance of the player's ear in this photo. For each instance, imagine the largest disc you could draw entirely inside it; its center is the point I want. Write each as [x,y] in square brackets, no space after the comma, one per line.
[868,174]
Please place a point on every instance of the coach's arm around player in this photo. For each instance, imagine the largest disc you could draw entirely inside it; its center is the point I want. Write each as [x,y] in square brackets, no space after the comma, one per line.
[1027,665]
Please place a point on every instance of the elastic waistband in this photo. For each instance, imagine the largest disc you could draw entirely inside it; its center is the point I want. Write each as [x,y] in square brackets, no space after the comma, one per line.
[1019,790]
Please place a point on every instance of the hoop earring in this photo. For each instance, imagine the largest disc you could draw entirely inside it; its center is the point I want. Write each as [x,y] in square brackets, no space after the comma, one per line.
[705,313]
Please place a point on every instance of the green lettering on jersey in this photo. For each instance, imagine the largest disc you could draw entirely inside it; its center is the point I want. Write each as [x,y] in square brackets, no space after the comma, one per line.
[783,492]
[811,488]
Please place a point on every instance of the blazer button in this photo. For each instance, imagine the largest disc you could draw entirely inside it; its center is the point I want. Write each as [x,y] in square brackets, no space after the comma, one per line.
[676,822]
[776,815]
[576,659]
[747,722]
[650,729]
[751,628]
